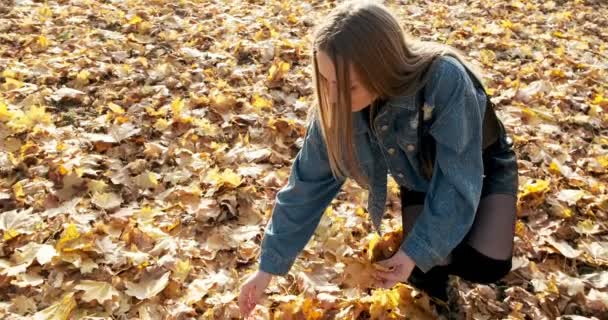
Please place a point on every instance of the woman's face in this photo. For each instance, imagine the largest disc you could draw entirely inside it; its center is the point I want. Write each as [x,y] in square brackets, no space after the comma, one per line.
[359,96]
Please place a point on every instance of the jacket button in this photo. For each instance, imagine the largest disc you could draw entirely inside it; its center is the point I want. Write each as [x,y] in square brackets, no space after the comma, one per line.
[411,147]
[391,151]
[384,127]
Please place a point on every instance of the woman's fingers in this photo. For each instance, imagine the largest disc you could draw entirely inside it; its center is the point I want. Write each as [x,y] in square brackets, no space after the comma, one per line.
[386,264]
[247,301]
[389,276]
[251,298]
[387,284]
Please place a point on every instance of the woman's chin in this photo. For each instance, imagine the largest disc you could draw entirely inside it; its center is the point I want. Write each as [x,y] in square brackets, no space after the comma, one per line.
[359,108]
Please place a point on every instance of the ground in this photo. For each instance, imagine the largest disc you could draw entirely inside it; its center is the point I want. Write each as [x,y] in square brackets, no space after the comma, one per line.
[143,143]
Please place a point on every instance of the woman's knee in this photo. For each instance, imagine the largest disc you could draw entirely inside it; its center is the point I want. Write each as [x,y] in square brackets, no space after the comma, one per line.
[474,266]
[492,271]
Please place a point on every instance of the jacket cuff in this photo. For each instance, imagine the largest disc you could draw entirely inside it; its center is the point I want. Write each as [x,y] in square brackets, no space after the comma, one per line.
[422,254]
[271,262]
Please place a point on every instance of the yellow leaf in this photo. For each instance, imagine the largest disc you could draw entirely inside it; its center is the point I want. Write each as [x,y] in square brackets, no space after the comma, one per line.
[5,115]
[221,101]
[79,171]
[559,34]
[135,20]
[35,115]
[603,160]
[63,171]
[373,242]
[198,100]
[600,100]
[360,212]
[207,127]
[59,310]
[520,228]
[7,73]
[38,115]
[60,147]
[155,113]
[554,167]
[18,191]
[383,300]
[564,15]
[28,148]
[278,70]
[116,108]
[310,311]
[44,12]
[96,186]
[177,106]
[507,24]
[69,233]
[42,42]
[487,57]
[260,103]
[586,226]
[10,234]
[558,73]
[552,285]
[82,77]
[291,18]
[261,35]
[11,84]
[535,186]
[566,212]
[231,178]
[385,247]
[182,269]
[595,110]
[161,124]
[227,178]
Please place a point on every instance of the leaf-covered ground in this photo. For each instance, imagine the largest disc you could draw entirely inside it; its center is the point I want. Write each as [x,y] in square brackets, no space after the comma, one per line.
[143,142]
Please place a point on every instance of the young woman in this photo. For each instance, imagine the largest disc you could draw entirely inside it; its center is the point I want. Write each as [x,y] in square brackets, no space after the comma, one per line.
[389,104]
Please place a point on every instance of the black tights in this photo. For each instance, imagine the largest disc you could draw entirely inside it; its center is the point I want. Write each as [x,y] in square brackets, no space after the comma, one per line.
[484,256]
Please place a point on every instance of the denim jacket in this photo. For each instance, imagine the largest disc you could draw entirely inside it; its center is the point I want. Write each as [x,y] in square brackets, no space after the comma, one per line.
[454,110]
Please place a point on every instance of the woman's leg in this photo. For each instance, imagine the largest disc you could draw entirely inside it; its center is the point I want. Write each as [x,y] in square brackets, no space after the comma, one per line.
[493,231]
[489,244]
[485,254]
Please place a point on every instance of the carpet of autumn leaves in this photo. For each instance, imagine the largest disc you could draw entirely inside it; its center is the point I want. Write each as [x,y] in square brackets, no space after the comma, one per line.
[143,142]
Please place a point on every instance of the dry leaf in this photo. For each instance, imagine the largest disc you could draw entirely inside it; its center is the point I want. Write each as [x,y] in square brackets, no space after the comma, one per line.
[147,288]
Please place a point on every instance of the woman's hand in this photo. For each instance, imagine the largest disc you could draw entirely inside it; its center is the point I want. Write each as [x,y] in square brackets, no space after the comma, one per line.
[398,269]
[252,290]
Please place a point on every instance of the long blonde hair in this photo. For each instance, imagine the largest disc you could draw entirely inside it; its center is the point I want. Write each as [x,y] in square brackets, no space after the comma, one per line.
[388,61]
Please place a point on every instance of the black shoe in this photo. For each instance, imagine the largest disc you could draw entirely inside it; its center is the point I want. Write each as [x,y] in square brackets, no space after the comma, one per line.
[434,283]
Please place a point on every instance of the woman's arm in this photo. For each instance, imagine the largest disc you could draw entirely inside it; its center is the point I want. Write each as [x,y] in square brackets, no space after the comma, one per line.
[455,187]
[299,205]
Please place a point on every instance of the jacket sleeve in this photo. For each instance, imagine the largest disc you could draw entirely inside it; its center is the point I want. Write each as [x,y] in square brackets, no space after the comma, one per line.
[299,205]
[455,188]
